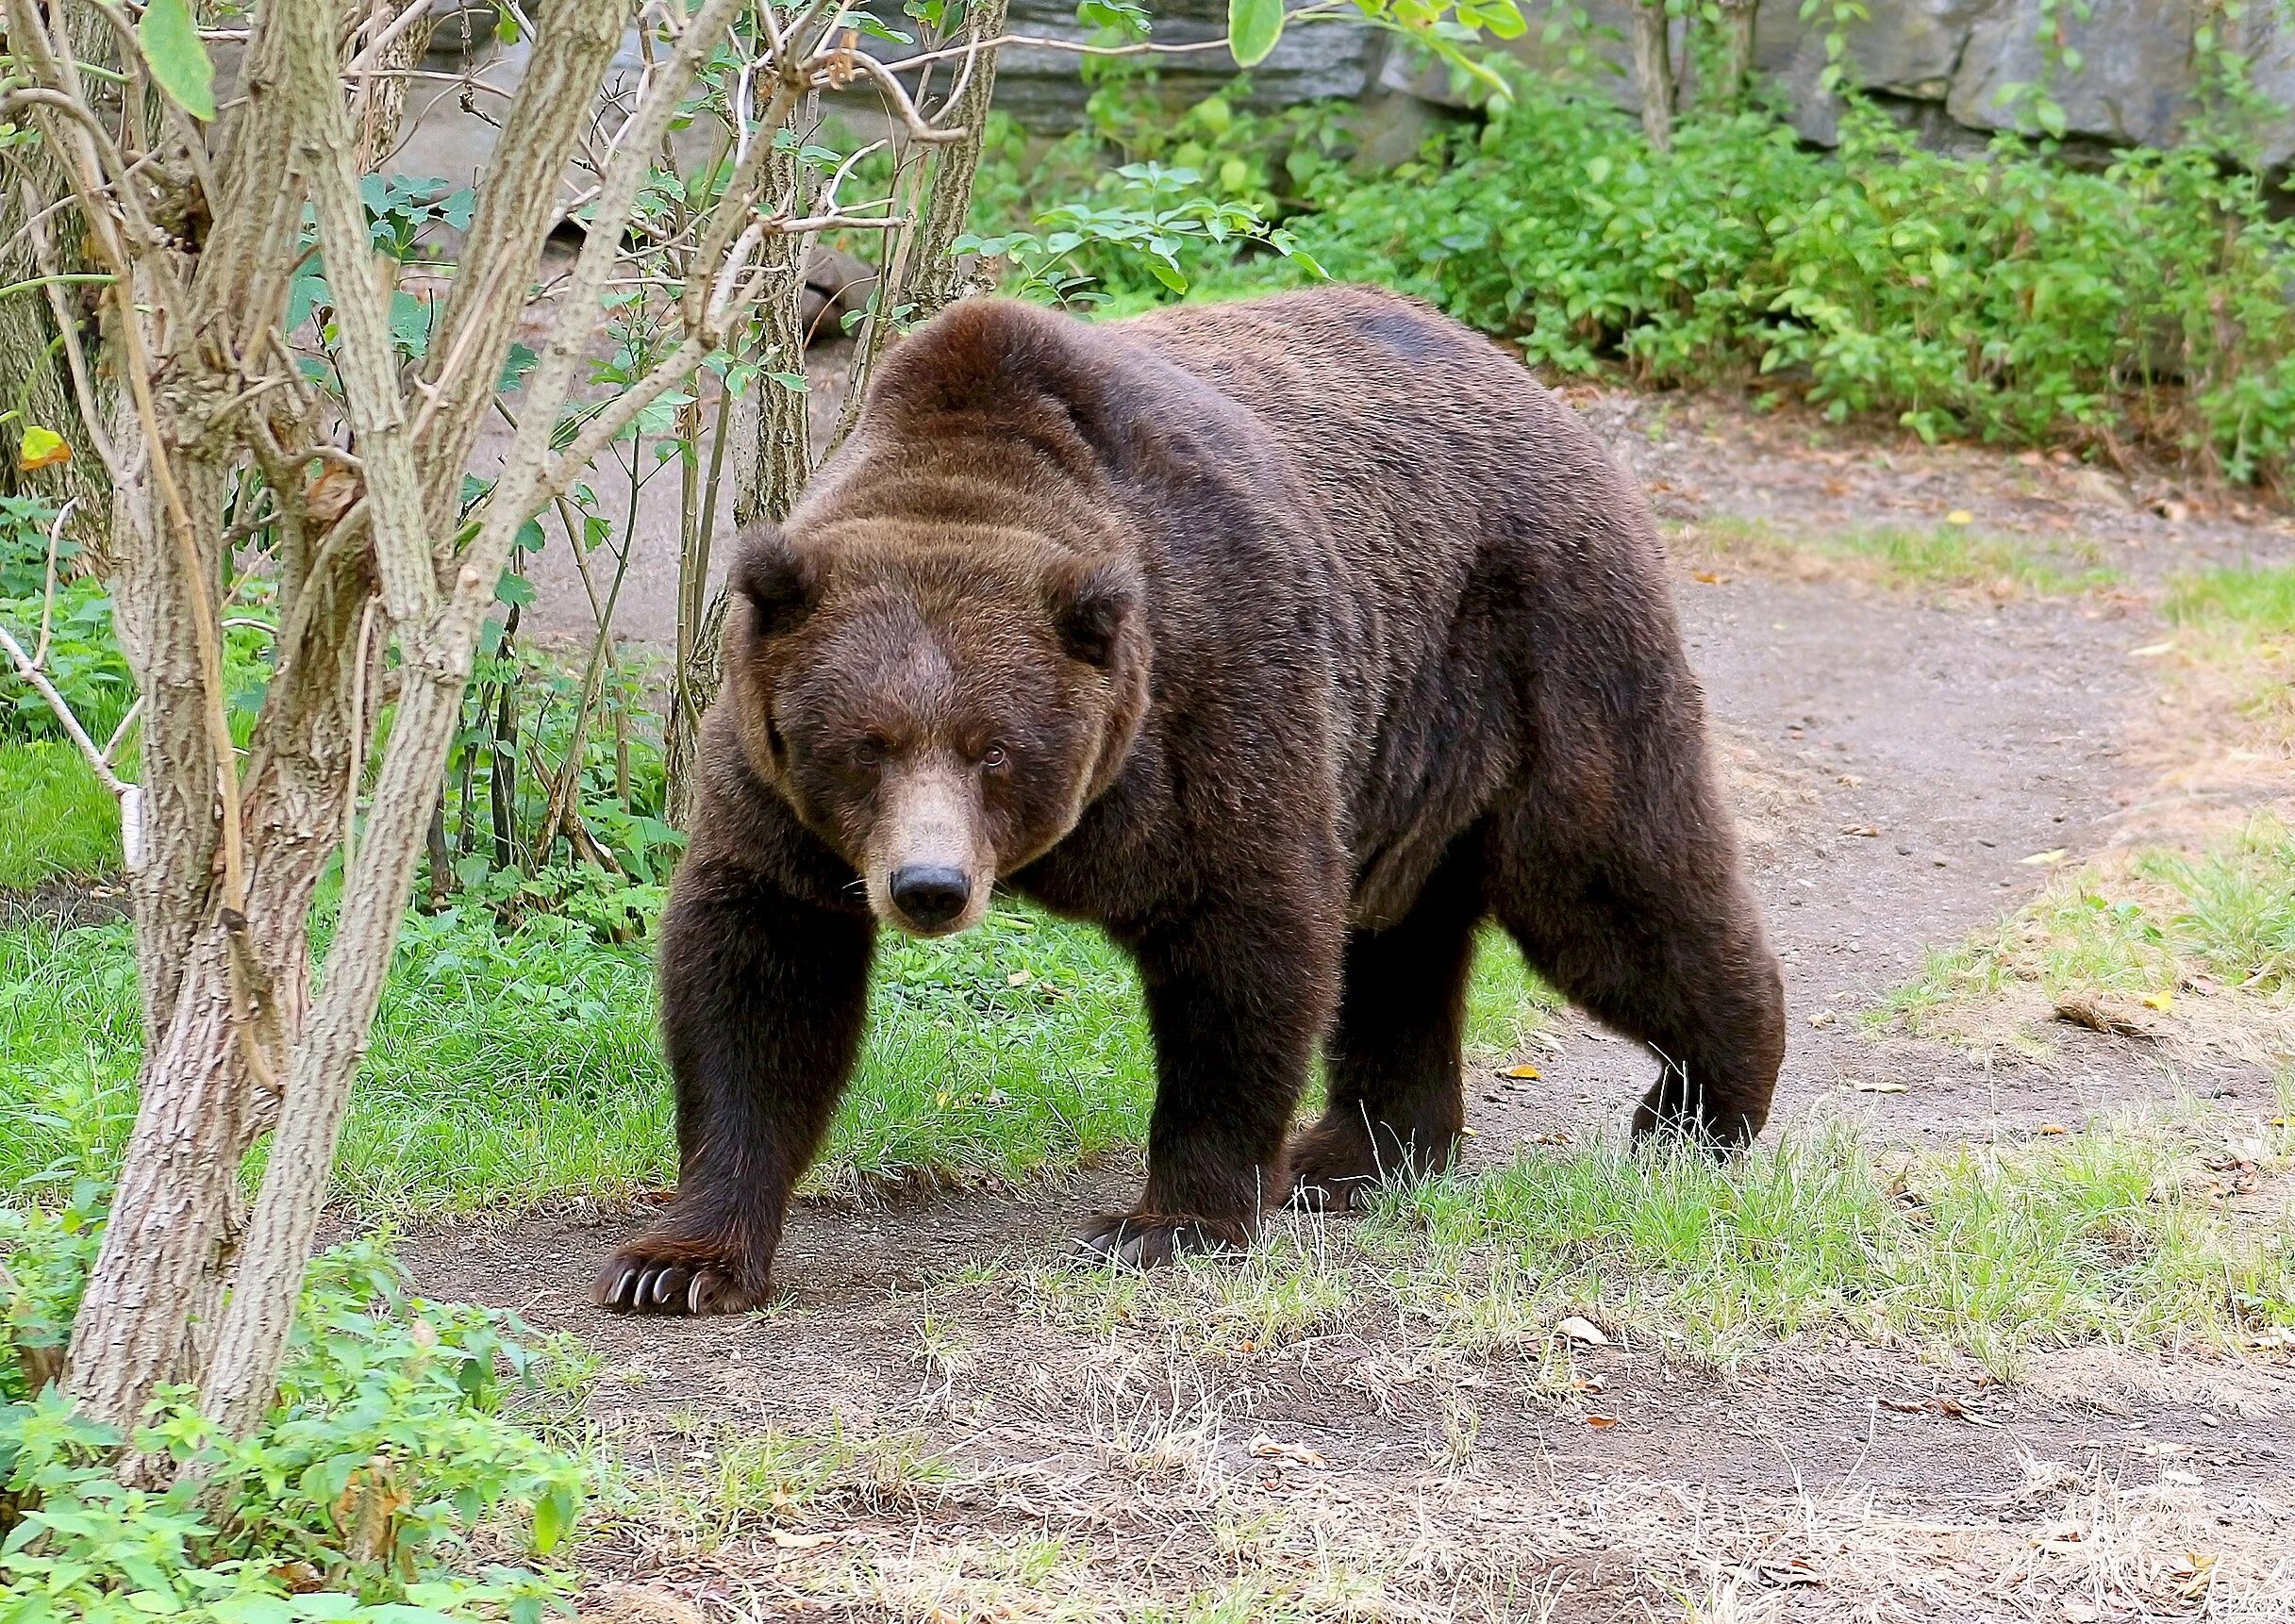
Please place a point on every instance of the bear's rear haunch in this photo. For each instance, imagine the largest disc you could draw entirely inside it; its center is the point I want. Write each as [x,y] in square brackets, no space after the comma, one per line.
[1286,641]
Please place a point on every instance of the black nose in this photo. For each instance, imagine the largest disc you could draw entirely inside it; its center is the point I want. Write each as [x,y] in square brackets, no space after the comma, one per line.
[930,896]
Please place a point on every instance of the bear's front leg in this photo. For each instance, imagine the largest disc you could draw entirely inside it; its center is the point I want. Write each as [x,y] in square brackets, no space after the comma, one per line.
[764,999]
[1237,1000]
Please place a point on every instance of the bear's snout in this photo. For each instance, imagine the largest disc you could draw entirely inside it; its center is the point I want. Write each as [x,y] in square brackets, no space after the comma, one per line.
[929,862]
[929,895]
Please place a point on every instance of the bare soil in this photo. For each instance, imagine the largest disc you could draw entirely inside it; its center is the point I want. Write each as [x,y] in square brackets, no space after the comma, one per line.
[1898,755]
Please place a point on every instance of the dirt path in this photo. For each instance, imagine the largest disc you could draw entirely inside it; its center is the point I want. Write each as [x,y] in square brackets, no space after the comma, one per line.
[1897,757]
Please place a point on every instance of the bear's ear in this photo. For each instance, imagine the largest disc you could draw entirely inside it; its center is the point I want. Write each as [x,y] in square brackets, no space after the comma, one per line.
[778,580]
[1090,600]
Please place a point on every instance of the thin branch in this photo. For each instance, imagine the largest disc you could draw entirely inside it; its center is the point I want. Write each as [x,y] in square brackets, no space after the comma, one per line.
[99,761]
[408,18]
[896,94]
[109,156]
[119,734]
[359,732]
[1082,48]
[76,359]
[47,589]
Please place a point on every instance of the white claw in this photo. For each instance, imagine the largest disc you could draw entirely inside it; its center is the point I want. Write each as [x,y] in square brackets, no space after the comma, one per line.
[661,1287]
[621,1285]
[694,1295]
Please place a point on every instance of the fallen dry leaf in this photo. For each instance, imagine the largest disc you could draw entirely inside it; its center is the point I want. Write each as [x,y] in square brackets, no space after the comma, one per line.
[1266,1448]
[1709,577]
[2100,1012]
[1601,1420]
[332,495]
[1876,1085]
[1823,1017]
[1866,830]
[2052,1128]
[1518,1071]
[788,1541]
[1960,516]
[2045,859]
[1579,1329]
[2152,651]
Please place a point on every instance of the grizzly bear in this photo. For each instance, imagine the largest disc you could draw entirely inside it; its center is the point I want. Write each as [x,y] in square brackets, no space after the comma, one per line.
[1284,641]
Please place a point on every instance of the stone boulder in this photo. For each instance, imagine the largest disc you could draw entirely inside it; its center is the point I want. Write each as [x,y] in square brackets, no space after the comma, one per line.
[1044,89]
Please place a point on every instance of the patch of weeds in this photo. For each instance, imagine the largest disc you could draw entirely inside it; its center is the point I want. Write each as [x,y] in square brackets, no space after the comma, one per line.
[2106,1235]
[2147,928]
[60,823]
[1945,559]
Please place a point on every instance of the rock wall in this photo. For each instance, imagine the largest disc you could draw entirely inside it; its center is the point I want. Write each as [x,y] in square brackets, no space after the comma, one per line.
[1046,91]
[1942,64]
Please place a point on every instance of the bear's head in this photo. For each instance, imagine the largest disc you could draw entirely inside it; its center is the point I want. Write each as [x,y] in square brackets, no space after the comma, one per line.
[939,703]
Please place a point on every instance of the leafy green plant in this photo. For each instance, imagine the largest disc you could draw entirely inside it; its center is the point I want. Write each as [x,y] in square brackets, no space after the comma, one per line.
[1154,214]
[2003,296]
[392,1468]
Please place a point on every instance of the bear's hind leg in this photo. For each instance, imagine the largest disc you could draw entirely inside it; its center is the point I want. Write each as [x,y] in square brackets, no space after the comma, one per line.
[1644,918]
[1397,1100]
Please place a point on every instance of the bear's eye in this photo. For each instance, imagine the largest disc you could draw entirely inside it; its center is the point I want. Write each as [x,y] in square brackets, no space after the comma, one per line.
[869,752]
[993,759]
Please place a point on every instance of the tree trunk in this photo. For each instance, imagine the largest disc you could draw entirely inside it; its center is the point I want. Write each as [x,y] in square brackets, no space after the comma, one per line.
[1737,64]
[33,357]
[938,280]
[1654,71]
[382,104]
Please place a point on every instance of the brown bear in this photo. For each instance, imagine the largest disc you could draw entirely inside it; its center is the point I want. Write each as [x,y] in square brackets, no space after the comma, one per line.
[1285,641]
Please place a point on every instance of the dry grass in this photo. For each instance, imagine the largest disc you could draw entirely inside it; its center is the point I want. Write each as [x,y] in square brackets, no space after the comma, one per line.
[2105,1537]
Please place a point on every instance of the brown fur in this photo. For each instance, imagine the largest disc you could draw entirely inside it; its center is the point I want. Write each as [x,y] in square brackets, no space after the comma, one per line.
[1286,641]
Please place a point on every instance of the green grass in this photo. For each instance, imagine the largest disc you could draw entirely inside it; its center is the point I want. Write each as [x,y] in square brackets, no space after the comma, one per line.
[60,822]
[1945,557]
[2143,927]
[508,1071]
[2237,626]
[2114,1234]
[2092,1238]
[2260,596]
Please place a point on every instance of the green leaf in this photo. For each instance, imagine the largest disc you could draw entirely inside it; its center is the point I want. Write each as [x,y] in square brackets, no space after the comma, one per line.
[178,59]
[553,1517]
[42,448]
[1253,28]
